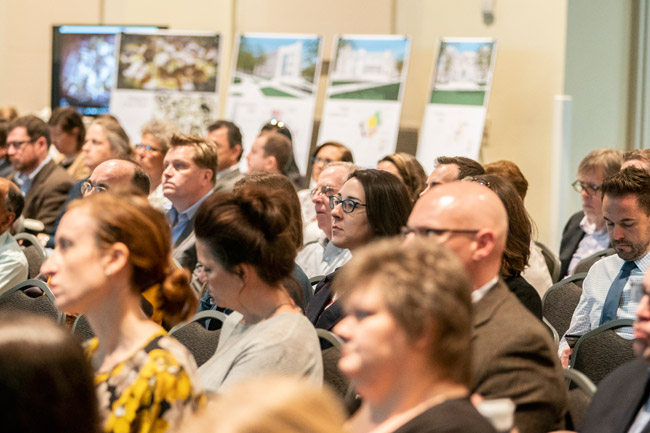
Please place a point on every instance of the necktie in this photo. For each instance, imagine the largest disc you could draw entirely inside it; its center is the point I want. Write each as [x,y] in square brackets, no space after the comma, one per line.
[615,291]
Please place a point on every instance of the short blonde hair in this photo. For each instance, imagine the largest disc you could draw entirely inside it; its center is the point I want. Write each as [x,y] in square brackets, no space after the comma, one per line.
[271,405]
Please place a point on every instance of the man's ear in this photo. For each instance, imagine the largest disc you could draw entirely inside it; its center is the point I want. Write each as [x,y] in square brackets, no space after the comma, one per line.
[271,164]
[238,150]
[484,243]
[207,174]
[6,221]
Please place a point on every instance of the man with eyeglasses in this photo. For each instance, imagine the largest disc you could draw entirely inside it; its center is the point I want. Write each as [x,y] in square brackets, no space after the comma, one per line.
[323,257]
[44,183]
[513,355]
[606,291]
[116,173]
[585,232]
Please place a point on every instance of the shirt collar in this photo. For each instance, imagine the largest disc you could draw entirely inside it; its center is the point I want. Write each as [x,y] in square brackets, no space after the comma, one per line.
[225,171]
[189,213]
[32,175]
[478,294]
[590,228]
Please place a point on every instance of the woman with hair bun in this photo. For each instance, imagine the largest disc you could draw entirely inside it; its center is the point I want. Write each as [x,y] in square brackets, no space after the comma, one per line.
[109,251]
[246,246]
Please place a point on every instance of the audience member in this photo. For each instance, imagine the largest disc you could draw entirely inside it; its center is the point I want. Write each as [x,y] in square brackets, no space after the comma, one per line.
[44,184]
[606,289]
[290,168]
[8,113]
[513,351]
[109,251]
[68,133]
[46,382]
[270,153]
[117,173]
[278,182]
[407,334]
[247,250]
[517,248]
[13,264]
[621,401]
[639,158]
[227,136]
[150,153]
[408,170]
[324,154]
[5,165]
[189,177]
[585,232]
[451,168]
[370,205]
[292,406]
[323,257]
[105,139]
[536,271]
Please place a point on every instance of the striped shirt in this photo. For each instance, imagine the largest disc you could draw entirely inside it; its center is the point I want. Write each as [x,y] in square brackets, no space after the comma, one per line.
[594,292]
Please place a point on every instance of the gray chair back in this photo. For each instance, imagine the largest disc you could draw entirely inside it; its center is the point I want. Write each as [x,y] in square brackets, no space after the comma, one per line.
[601,350]
[560,301]
[552,261]
[585,264]
[39,302]
[580,391]
[201,342]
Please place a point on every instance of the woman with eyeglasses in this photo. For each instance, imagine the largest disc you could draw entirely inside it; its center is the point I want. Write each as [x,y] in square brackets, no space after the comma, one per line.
[246,244]
[150,153]
[110,250]
[371,204]
[327,152]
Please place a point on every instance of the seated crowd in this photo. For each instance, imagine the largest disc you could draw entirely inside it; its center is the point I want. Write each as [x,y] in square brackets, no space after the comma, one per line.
[430,287]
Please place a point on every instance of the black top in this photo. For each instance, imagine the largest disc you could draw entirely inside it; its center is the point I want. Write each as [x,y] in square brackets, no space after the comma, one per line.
[526,294]
[451,416]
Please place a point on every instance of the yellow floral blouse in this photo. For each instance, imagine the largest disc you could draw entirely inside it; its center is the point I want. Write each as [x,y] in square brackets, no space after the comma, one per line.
[151,390]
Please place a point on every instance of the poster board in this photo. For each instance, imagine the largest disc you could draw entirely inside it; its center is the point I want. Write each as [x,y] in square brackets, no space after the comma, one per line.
[166,75]
[275,76]
[460,88]
[364,95]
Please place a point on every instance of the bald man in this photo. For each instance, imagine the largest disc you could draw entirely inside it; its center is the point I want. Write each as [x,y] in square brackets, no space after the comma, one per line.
[117,172]
[512,351]
[13,263]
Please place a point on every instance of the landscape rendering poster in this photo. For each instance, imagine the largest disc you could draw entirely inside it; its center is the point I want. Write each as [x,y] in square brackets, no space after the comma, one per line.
[455,113]
[275,76]
[166,75]
[364,95]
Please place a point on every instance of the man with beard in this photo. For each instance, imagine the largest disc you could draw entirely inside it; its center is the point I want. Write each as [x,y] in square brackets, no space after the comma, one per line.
[621,403]
[606,293]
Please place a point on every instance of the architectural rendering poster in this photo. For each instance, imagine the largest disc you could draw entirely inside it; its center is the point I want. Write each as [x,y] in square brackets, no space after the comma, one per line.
[166,75]
[276,77]
[364,95]
[455,113]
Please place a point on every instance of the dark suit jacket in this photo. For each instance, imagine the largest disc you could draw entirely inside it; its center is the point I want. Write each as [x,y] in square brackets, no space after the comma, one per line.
[571,237]
[47,194]
[513,357]
[526,294]
[228,181]
[316,312]
[618,400]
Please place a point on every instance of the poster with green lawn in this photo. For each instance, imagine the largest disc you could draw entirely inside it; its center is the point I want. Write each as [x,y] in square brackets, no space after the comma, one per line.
[275,76]
[460,87]
[364,94]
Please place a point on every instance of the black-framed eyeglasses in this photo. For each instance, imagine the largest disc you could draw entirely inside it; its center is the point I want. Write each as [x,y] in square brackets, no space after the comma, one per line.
[348,204]
[326,191]
[429,231]
[17,144]
[589,188]
[146,147]
[87,188]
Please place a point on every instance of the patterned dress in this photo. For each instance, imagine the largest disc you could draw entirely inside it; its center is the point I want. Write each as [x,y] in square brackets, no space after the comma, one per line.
[151,390]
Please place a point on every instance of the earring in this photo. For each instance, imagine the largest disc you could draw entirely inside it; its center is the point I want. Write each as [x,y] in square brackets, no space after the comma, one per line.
[107,272]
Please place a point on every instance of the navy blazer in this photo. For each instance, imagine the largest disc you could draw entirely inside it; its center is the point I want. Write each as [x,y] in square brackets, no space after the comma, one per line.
[571,237]
[316,312]
[619,397]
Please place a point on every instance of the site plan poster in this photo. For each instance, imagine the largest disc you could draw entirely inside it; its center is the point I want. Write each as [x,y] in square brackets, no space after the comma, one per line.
[166,75]
[455,113]
[276,77]
[364,95]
